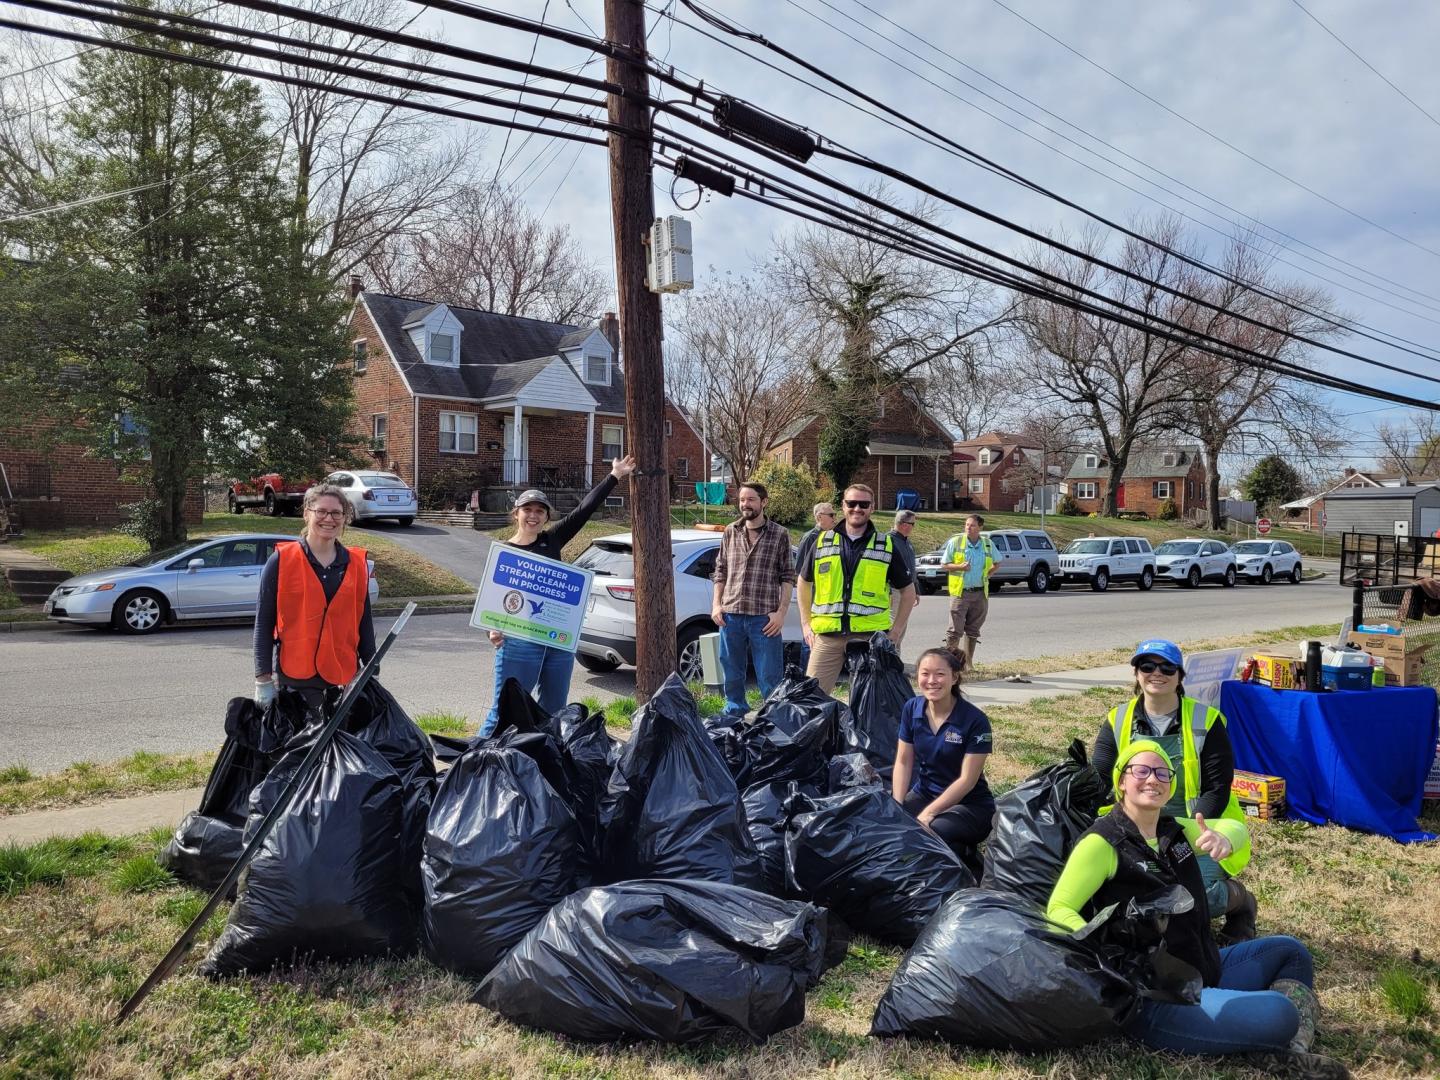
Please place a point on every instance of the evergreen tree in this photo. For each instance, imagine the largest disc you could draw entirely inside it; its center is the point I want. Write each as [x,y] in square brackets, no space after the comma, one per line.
[1273,481]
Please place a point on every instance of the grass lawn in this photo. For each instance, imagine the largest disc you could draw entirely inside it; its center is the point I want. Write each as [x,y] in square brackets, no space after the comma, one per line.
[588,532]
[83,920]
[86,782]
[399,570]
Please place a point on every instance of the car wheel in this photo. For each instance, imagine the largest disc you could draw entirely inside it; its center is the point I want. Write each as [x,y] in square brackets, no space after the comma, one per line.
[138,612]
[1147,579]
[1040,580]
[1192,579]
[405,521]
[272,507]
[1296,575]
[231,505]
[597,664]
[996,586]
[1266,575]
[687,655]
[1229,577]
[1101,581]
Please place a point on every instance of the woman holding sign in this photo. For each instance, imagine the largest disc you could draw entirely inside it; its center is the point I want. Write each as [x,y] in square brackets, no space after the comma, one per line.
[541,670]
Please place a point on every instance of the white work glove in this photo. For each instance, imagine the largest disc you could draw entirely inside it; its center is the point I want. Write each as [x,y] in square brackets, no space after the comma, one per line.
[264,692]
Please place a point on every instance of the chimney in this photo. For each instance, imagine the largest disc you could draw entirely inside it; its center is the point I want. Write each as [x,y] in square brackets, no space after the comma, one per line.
[355,287]
[610,327]
[1349,471]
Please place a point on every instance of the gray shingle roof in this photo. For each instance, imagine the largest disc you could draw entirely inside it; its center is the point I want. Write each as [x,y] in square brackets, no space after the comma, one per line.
[575,338]
[1143,464]
[489,345]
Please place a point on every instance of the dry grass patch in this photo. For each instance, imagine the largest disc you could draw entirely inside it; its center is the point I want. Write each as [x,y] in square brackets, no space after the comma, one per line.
[86,782]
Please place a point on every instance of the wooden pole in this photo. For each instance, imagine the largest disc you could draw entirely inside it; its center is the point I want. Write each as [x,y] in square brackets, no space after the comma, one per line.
[632,208]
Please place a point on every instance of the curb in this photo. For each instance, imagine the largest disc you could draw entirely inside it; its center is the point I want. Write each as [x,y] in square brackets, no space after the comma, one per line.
[46,625]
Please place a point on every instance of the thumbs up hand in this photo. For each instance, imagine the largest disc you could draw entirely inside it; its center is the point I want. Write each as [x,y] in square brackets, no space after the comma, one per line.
[1210,842]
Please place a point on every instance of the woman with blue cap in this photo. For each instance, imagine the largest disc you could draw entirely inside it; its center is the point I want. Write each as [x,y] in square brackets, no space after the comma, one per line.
[1258,996]
[1195,737]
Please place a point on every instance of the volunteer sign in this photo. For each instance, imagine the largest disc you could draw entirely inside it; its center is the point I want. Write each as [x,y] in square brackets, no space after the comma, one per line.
[1205,671]
[531,598]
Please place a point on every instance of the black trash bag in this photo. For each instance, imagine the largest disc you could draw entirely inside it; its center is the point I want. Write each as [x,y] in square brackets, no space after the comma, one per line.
[878,691]
[1130,938]
[673,961]
[797,699]
[991,970]
[330,879]
[210,838]
[766,814]
[671,809]
[790,738]
[860,854]
[516,709]
[592,753]
[1038,823]
[848,771]
[501,849]
[448,748]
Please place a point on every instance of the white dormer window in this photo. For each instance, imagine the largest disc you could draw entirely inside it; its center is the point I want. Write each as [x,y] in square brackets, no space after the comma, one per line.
[442,349]
[1168,460]
[984,457]
[597,369]
[1092,461]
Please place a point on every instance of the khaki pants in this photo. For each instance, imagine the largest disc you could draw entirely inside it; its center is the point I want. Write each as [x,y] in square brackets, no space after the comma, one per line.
[967,616]
[827,657]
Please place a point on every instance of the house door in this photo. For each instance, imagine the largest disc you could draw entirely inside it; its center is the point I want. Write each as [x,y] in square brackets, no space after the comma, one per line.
[1120,497]
[517,458]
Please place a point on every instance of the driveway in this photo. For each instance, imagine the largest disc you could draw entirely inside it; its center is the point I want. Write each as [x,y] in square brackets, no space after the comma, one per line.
[461,551]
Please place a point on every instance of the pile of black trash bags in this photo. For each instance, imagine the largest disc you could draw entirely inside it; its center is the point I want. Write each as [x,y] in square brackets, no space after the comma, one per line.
[689,881]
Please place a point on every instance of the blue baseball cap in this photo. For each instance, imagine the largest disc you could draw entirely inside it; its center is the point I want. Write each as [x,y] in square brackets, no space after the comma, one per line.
[1160,649]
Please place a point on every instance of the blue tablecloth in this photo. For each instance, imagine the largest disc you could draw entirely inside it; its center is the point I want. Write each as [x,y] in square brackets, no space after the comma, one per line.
[1354,757]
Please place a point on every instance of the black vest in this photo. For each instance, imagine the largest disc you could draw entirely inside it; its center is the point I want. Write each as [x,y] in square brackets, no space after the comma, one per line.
[1143,872]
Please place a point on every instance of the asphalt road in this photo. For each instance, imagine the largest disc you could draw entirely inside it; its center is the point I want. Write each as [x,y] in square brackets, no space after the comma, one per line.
[461,551]
[77,694]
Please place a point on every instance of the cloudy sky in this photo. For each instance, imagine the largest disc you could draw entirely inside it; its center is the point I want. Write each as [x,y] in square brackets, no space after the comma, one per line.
[1297,110]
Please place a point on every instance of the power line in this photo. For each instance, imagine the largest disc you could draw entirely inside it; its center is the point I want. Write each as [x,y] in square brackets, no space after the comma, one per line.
[1220,139]
[56,208]
[536,45]
[1376,71]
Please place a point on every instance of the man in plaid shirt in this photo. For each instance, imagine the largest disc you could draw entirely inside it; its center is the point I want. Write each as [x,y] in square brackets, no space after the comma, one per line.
[754,577]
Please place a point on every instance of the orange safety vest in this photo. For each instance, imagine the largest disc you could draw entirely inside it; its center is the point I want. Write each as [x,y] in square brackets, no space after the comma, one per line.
[319,637]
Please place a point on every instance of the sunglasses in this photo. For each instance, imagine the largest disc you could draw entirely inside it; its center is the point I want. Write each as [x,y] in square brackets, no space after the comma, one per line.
[857,504]
[1144,772]
[1149,667]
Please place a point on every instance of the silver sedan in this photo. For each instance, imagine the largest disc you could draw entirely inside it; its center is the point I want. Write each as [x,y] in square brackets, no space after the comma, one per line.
[377,495]
[214,578]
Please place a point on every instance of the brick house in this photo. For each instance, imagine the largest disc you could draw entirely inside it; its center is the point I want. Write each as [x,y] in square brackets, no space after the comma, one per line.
[1153,475]
[984,481]
[458,401]
[908,450]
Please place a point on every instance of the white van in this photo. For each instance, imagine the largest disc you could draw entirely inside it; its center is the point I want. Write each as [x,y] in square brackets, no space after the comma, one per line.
[1099,560]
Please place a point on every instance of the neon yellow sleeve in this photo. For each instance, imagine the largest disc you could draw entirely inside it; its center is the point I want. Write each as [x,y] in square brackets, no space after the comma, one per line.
[1091,864]
[1235,831]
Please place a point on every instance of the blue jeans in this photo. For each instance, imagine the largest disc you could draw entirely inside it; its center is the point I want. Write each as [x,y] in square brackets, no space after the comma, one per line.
[1242,1014]
[741,638]
[540,670]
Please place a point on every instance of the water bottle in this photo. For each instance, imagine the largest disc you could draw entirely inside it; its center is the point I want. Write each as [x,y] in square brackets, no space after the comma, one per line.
[1312,666]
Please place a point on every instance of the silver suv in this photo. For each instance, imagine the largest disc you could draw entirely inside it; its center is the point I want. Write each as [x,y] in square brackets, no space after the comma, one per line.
[1099,560]
[1026,555]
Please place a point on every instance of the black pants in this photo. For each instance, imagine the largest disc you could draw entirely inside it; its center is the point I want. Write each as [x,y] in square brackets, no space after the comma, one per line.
[961,827]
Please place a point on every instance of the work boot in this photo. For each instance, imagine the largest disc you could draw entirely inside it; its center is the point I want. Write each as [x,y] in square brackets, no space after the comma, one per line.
[1299,1066]
[1307,1005]
[1240,911]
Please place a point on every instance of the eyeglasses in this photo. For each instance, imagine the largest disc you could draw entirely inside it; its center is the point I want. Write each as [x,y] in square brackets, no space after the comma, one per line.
[857,504]
[1149,667]
[1144,772]
[337,514]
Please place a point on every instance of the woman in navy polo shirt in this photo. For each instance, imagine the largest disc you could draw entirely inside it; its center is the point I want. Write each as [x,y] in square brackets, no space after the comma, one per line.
[940,761]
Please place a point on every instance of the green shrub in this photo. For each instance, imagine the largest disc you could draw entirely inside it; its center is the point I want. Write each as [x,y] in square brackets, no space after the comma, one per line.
[142,521]
[793,492]
[1168,510]
[1068,506]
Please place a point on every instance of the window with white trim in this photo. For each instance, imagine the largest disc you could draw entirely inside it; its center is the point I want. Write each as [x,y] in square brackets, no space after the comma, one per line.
[614,500]
[1168,460]
[1162,489]
[1092,461]
[904,464]
[612,441]
[379,428]
[977,485]
[667,429]
[362,348]
[442,350]
[459,433]
[984,457]
[597,370]
[1084,491]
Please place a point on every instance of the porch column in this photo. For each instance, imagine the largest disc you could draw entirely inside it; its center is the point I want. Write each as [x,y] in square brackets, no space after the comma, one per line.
[590,449]
[517,444]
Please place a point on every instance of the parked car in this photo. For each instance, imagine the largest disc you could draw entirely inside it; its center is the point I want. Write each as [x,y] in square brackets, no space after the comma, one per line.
[1099,560]
[1023,555]
[607,636]
[377,495]
[1195,559]
[271,492]
[1265,560]
[929,575]
[214,578]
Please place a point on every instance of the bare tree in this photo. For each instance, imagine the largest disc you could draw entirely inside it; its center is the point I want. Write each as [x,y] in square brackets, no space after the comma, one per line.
[492,253]
[1050,438]
[1126,381]
[974,398]
[741,355]
[1411,448]
[32,88]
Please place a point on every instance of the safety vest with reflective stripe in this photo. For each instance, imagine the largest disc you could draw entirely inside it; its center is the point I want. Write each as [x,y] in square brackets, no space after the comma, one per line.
[956,546]
[319,637]
[1196,720]
[865,598]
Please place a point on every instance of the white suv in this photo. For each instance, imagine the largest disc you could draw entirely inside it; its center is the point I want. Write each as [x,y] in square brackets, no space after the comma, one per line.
[607,636]
[1264,560]
[1100,560]
[1194,559]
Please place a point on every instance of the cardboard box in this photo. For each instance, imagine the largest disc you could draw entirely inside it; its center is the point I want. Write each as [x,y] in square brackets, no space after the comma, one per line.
[1257,788]
[1346,678]
[1281,672]
[1396,646]
[1272,811]
[1404,672]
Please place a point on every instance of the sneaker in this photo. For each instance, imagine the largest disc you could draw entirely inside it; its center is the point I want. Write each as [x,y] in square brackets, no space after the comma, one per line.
[1300,1066]
[1308,1006]
[1240,912]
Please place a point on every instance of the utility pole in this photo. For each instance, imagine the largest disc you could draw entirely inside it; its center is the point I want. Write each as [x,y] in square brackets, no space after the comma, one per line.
[632,208]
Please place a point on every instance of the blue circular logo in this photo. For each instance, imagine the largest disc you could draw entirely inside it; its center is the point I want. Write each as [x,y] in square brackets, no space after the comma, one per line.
[553,635]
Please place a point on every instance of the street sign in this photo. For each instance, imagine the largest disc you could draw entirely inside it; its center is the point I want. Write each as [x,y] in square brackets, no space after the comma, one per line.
[1262,526]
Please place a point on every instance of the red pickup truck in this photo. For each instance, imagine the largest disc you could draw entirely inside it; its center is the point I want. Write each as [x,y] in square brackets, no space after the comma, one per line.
[271,491]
